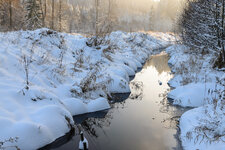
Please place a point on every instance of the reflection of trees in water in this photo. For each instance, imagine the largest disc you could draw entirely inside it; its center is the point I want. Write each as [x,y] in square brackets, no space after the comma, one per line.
[172,121]
[160,62]
[136,90]
[96,124]
[118,100]
[174,112]
[90,125]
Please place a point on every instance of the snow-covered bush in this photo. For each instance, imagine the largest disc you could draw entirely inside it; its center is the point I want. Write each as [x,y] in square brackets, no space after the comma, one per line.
[3,144]
[94,82]
[203,127]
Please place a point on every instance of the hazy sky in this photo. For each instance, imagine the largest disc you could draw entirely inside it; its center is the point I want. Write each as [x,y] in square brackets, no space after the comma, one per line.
[141,14]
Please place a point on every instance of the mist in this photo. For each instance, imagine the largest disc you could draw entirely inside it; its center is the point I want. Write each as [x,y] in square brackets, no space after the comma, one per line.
[140,15]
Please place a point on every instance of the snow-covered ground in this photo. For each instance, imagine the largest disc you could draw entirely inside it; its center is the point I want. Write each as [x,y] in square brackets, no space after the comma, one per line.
[197,84]
[47,77]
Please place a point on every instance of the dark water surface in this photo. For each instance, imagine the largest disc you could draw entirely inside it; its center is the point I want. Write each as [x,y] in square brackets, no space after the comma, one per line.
[144,121]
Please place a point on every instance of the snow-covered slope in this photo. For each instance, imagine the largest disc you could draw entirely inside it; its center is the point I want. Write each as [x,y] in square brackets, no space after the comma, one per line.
[203,128]
[195,80]
[197,84]
[47,77]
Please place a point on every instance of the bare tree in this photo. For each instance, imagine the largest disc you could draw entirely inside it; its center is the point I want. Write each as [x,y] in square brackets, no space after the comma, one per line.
[96,22]
[104,21]
[111,18]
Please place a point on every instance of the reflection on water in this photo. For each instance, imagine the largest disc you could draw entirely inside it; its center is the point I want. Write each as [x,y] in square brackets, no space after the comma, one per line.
[137,90]
[143,121]
[159,62]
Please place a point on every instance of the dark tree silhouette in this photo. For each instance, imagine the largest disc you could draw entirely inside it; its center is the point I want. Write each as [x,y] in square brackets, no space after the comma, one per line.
[202,25]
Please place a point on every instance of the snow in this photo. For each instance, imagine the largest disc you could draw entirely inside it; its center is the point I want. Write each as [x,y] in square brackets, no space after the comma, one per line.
[81,144]
[196,84]
[66,78]
[198,130]
[194,80]
[77,106]
[193,94]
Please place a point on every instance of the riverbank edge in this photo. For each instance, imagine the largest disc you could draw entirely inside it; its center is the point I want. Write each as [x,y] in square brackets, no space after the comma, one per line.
[175,65]
[71,133]
[131,49]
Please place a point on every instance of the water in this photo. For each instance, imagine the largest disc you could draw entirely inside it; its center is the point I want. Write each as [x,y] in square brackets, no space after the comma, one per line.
[143,121]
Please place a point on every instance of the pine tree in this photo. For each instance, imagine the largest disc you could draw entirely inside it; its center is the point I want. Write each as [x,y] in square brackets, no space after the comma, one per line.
[202,24]
[34,15]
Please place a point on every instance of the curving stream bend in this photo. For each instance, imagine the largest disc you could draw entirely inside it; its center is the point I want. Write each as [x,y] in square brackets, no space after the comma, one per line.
[143,121]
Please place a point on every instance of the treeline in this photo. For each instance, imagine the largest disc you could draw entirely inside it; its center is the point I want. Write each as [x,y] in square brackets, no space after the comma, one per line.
[202,26]
[58,15]
[11,15]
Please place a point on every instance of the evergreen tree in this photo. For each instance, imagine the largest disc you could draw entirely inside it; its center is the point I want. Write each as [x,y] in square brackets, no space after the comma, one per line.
[202,25]
[34,14]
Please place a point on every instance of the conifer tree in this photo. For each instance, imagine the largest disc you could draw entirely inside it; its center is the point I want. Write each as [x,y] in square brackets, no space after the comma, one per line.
[34,14]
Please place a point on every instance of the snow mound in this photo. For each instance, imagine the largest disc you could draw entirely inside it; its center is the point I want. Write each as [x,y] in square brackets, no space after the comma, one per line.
[202,128]
[193,94]
[77,106]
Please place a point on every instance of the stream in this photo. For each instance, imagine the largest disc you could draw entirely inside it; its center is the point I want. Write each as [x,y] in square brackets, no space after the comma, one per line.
[143,120]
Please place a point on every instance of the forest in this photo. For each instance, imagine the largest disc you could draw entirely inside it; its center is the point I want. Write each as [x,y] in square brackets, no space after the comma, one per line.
[80,16]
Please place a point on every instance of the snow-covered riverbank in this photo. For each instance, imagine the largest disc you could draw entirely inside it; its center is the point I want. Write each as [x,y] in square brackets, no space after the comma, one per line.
[47,77]
[197,84]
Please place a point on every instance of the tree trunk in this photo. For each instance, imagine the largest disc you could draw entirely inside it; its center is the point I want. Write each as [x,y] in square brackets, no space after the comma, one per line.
[10,14]
[60,15]
[96,21]
[109,17]
[53,15]
[222,34]
[45,7]
[217,26]
[44,11]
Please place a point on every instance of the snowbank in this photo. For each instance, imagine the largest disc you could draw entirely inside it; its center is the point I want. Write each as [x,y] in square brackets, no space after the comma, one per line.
[197,84]
[47,77]
[194,94]
[77,106]
[203,128]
